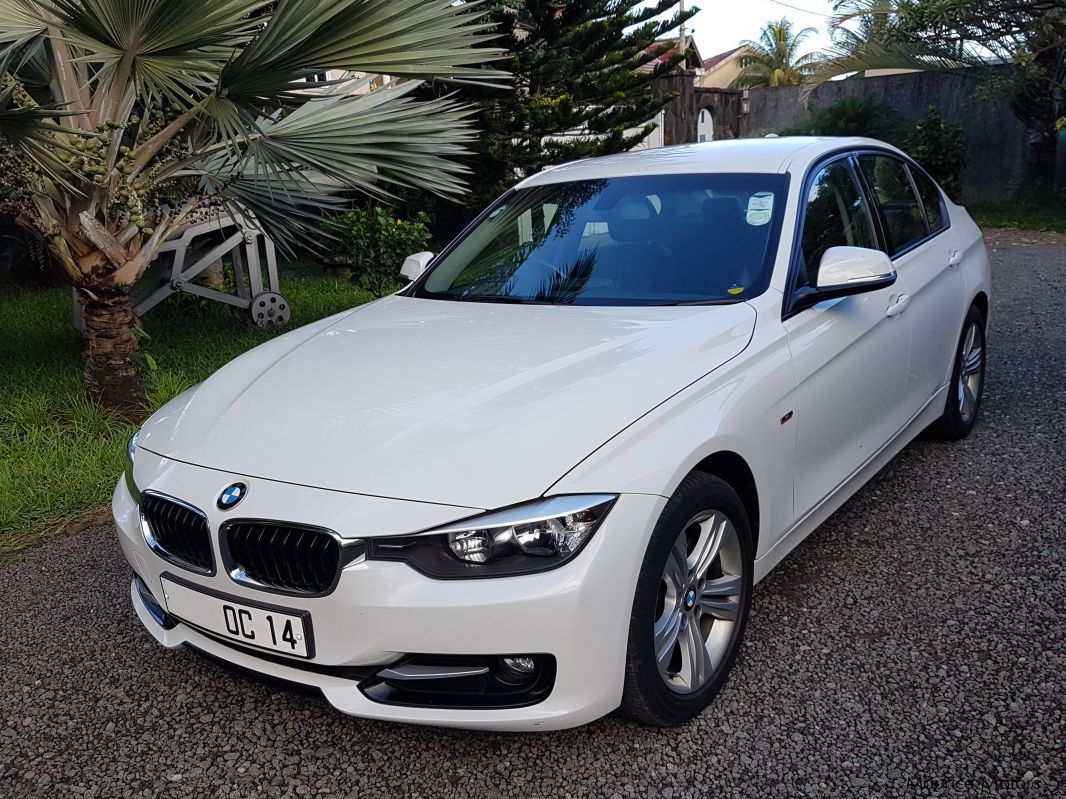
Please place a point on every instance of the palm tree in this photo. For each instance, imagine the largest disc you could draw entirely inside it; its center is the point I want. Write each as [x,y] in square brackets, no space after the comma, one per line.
[857,21]
[867,35]
[121,121]
[774,60]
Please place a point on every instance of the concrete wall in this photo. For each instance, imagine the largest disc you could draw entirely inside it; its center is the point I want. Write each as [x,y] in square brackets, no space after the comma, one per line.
[681,114]
[996,142]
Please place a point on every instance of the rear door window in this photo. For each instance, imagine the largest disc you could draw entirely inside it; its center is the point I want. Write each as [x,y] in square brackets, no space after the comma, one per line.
[899,206]
[931,199]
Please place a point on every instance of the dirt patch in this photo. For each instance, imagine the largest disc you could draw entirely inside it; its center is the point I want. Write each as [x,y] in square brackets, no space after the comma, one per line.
[1013,237]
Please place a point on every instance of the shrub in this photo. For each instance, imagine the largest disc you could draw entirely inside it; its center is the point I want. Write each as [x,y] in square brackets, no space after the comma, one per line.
[852,116]
[940,148]
[374,244]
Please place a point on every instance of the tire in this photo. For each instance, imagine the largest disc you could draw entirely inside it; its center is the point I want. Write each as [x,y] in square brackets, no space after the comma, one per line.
[713,603]
[967,382]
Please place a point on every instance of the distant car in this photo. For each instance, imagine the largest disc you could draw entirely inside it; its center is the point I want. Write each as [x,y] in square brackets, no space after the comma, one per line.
[539,482]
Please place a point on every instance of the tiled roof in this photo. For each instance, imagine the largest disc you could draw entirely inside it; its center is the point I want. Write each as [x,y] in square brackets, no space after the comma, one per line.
[715,60]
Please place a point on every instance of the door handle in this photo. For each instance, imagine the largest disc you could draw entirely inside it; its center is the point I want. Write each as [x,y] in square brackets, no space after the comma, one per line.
[897,306]
[955,258]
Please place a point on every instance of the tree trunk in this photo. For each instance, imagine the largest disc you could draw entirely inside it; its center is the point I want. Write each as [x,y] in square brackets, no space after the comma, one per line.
[213,277]
[111,373]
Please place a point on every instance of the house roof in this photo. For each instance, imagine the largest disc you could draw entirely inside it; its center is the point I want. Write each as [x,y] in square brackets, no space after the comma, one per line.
[692,61]
[715,60]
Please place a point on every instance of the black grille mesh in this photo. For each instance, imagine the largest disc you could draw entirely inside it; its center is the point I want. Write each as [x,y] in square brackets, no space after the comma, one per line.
[181,533]
[299,560]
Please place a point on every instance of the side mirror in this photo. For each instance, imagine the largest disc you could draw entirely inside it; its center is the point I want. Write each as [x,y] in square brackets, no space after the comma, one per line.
[415,265]
[853,270]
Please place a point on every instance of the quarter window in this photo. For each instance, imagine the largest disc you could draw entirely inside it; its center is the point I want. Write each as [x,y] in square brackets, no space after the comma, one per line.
[836,216]
[900,207]
[931,199]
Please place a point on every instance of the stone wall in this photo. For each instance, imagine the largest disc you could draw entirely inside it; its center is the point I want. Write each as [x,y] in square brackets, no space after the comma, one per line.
[997,148]
[996,142]
[681,115]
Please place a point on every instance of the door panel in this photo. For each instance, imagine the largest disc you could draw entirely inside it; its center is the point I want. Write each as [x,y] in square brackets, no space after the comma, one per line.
[851,363]
[935,311]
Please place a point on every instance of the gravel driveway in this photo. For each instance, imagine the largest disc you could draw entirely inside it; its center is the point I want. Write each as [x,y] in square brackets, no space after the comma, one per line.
[913,646]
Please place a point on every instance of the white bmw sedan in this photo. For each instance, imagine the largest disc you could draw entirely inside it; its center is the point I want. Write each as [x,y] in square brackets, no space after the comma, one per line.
[539,483]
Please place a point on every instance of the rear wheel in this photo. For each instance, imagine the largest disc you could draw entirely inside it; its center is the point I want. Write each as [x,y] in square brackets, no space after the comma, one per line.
[967,382]
[691,604]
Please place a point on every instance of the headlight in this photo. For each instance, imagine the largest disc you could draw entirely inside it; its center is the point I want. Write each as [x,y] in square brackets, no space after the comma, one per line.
[131,454]
[534,537]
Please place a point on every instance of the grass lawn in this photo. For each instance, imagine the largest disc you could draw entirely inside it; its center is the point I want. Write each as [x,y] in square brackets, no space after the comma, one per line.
[1023,215]
[59,455]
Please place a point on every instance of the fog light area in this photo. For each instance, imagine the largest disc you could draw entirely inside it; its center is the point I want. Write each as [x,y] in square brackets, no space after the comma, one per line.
[457,681]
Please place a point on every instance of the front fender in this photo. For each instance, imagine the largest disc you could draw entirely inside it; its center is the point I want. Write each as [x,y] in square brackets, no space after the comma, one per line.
[742,408]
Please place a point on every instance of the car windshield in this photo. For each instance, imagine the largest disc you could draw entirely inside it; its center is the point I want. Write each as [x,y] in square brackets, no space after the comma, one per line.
[642,240]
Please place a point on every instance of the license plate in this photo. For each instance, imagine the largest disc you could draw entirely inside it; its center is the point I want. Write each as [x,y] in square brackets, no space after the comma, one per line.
[263,626]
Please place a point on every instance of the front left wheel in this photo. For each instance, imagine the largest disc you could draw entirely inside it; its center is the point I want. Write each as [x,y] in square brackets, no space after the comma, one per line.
[691,604]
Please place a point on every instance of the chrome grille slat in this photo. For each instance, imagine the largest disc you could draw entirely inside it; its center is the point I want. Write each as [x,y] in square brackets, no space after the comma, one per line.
[180,532]
[282,557]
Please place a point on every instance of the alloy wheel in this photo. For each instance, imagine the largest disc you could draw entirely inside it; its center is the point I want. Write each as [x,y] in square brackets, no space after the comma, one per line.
[699,602]
[971,371]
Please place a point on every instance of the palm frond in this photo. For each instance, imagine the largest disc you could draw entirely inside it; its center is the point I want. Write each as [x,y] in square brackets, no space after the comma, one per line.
[292,168]
[24,126]
[436,39]
[171,48]
[289,208]
[20,22]
[369,141]
[33,130]
[862,56]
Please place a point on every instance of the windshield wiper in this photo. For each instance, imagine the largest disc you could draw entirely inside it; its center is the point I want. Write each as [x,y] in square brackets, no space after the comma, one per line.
[502,298]
[720,301]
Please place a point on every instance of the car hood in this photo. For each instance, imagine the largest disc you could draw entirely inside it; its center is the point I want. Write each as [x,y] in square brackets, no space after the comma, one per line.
[461,403]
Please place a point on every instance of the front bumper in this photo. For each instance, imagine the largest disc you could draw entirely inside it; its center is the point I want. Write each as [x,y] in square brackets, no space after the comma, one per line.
[382,611]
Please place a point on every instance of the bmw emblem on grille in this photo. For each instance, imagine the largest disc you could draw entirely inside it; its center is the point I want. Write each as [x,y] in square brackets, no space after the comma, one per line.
[231,495]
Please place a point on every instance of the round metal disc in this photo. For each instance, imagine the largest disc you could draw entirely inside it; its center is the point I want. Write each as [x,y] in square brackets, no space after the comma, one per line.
[270,309]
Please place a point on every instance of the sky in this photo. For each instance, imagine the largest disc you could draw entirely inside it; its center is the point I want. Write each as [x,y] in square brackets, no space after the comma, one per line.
[722,24]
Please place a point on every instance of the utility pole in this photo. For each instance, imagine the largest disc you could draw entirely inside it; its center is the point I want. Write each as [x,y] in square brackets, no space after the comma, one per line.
[681,44]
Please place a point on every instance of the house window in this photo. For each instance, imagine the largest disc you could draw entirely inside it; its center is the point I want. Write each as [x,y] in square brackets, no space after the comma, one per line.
[705,126]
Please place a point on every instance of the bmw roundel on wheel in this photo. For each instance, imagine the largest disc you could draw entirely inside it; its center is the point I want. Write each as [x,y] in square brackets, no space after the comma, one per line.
[539,483]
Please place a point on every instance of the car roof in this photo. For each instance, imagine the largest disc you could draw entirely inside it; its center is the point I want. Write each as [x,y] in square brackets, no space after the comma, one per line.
[772,154]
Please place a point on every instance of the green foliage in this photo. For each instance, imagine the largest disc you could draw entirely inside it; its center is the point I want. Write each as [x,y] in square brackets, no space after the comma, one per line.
[577,66]
[775,60]
[374,244]
[60,455]
[1014,49]
[935,143]
[152,112]
[858,21]
[940,147]
[122,120]
[1045,215]
[853,116]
